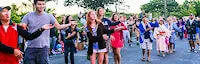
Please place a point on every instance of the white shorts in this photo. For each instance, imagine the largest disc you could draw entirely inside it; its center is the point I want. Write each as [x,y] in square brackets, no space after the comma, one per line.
[146,44]
[99,50]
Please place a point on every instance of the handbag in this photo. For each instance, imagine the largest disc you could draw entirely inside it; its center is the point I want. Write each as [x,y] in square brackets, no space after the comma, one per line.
[167,40]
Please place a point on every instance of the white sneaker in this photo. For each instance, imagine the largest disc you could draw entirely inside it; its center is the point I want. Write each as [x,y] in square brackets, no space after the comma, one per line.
[199,47]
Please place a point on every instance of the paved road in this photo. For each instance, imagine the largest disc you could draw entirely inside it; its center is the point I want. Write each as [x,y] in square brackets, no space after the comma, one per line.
[132,55]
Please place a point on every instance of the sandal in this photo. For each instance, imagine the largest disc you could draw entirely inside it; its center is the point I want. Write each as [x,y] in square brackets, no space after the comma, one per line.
[148,59]
[143,59]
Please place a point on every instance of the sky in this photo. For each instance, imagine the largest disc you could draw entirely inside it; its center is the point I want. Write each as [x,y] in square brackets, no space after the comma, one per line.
[60,9]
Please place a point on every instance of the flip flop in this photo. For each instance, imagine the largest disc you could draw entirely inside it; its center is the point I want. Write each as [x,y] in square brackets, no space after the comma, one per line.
[143,59]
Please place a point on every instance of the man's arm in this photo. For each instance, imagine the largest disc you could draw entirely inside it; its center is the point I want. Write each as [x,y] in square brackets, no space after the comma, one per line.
[58,26]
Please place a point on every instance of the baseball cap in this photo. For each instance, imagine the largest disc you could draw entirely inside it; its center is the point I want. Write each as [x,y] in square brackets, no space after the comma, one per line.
[7,7]
[191,14]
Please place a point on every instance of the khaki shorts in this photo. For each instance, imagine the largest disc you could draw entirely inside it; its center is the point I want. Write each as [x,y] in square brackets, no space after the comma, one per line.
[146,44]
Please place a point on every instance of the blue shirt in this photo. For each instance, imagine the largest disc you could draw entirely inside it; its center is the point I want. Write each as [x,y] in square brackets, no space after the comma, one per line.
[35,22]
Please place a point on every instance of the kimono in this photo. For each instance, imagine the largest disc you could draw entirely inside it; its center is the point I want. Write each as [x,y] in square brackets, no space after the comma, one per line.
[161,33]
[174,27]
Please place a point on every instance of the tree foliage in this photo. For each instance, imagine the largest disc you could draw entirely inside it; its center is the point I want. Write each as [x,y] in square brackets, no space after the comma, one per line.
[188,7]
[91,4]
[158,6]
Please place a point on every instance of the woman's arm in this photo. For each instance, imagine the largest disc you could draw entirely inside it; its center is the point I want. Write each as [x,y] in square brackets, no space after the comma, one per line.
[31,36]
[6,49]
[105,30]
[27,35]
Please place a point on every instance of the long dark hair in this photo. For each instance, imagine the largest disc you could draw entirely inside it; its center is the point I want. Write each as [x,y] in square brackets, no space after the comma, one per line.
[67,19]
[113,16]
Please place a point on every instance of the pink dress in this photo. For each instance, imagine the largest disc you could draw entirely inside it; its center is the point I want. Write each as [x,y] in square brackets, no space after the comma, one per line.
[118,35]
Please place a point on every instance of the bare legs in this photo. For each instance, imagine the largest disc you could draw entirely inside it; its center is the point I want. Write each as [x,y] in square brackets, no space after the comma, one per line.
[100,58]
[117,55]
[148,54]
[105,58]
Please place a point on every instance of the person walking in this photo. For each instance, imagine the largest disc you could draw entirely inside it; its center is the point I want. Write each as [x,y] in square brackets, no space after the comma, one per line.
[161,33]
[145,38]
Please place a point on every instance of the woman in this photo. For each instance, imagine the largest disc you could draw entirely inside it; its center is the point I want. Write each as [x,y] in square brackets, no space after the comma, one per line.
[96,33]
[117,42]
[131,23]
[69,45]
[181,25]
[107,23]
[161,33]
[173,28]
[9,50]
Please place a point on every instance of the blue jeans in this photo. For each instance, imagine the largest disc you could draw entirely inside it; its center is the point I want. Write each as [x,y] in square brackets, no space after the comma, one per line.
[36,56]
[53,42]
[69,47]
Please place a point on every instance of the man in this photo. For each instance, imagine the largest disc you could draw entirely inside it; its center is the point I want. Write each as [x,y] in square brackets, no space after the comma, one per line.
[37,49]
[145,38]
[191,25]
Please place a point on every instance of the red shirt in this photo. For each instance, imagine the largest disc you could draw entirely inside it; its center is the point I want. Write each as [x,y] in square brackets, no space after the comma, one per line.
[9,38]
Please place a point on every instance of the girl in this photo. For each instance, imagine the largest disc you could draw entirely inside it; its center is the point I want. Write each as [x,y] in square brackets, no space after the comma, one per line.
[107,23]
[69,45]
[97,34]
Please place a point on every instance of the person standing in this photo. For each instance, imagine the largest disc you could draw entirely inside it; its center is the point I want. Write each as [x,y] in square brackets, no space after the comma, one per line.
[181,25]
[191,25]
[107,23]
[9,32]
[146,38]
[37,49]
[69,45]
[97,34]
[198,34]
[126,33]
[117,42]
[161,33]
[131,23]
[52,40]
[171,25]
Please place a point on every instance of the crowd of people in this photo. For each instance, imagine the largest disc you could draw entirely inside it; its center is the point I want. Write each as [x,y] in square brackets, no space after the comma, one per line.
[98,34]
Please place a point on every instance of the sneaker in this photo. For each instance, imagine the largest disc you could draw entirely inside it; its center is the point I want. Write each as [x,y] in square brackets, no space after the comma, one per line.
[189,51]
[163,55]
[174,50]
[130,45]
[199,47]
[137,43]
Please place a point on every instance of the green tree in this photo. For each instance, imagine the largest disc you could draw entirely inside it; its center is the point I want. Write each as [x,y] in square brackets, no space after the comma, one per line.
[14,16]
[158,6]
[91,4]
[197,7]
